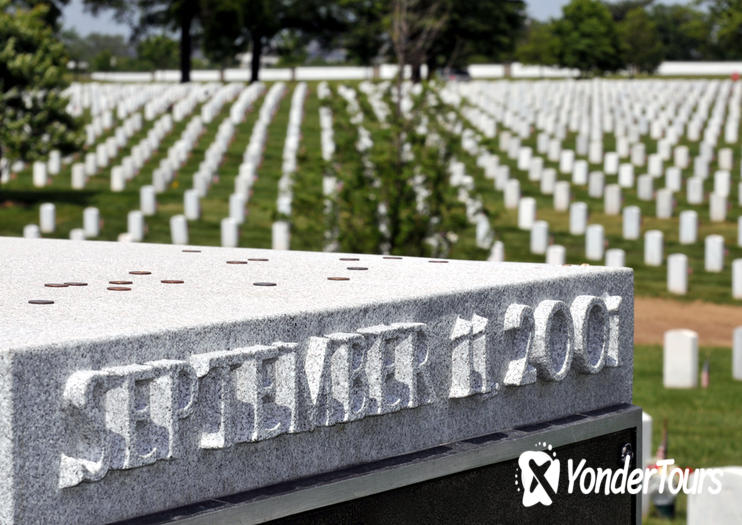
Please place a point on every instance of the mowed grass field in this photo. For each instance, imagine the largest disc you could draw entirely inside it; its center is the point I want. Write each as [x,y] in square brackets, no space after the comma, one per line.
[704,425]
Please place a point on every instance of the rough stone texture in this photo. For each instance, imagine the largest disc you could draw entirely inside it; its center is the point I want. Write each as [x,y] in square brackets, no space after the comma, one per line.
[111,400]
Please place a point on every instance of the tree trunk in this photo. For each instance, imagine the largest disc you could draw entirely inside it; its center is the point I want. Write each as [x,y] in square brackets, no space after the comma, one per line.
[257,51]
[430,62]
[417,74]
[186,44]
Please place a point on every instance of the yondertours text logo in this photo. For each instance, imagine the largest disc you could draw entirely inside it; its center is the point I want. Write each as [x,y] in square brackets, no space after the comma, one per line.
[538,473]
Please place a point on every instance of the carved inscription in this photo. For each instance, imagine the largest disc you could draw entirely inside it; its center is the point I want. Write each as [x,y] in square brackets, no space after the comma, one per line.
[128,416]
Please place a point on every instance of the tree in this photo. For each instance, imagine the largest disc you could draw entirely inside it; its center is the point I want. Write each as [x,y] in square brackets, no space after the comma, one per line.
[486,30]
[158,52]
[91,48]
[539,44]
[588,38]
[180,15]
[642,46]
[259,21]
[364,36]
[53,9]
[619,10]
[33,115]
[726,17]
[685,32]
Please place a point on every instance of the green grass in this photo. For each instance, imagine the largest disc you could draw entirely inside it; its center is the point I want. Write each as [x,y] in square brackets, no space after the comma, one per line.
[19,201]
[704,425]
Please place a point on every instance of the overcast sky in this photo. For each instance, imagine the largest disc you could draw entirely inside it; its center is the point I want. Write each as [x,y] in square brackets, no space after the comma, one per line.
[76,17]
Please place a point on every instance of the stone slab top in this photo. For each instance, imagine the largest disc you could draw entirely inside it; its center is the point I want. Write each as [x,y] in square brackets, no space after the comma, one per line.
[133,289]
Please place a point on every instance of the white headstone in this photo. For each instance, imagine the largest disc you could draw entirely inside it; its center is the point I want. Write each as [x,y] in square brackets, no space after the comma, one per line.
[713,259]
[548,180]
[524,158]
[737,278]
[726,159]
[179,229]
[78,176]
[561,195]
[722,182]
[566,161]
[737,353]
[680,157]
[612,200]
[237,208]
[615,257]
[579,172]
[717,208]
[596,182]
[91,164]
[664,204]
[577,218]
[610,163]
[594,242]
[654,167]
[638,154]
[626,175]
[632,217]
[512,193]
[47,218]
[77,234]
[653,240]
[230,232]
[55,162]
[91,222]
[135,225]
[147,200]
[191,205]
[556,254]
[595,152]
[535,168]
[723,507]
[688,227]
[526,213]
[31,231]
[700,167]
[673,178]
[539,237]
[118,180]
[644,187]
[39,174]
[497,254]
[677,273]
[694,190]
[680,359]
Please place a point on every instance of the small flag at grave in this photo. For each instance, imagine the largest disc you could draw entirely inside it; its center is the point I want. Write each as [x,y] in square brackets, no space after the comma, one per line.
[705,374]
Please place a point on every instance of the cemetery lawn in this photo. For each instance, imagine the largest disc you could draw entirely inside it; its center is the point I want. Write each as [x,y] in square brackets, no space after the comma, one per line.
[704,426]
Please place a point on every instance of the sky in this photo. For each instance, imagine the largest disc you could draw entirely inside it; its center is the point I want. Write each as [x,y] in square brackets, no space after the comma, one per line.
[76,17]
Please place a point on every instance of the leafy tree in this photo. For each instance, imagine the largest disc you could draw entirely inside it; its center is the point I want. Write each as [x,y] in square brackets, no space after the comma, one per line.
[364,36]
[33,116]
[158,52]
[588,38]
[90,48]
[539,44]
[726,17]
[485,29]
[620,10]
[257,22]
[685,32]
[642,46]
[53,11]
[142,15]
